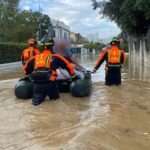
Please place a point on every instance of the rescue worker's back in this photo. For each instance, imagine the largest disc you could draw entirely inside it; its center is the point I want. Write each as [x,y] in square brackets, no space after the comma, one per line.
[114,58]
[30,51]
[47,62]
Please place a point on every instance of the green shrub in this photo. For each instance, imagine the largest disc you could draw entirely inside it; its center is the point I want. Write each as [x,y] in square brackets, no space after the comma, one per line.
[10,52]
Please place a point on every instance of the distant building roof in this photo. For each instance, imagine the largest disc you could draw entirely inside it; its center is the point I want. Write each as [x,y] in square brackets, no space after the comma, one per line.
[60,24]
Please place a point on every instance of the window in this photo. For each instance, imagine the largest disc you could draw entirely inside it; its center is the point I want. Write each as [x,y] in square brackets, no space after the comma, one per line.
[65,36]
[60,33]
[54,34]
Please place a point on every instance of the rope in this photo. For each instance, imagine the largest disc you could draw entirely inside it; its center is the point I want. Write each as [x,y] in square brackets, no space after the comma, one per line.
[63,74]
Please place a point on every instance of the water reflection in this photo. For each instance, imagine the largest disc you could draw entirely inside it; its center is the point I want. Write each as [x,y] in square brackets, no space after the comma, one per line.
[133,69]
[89,61]
[138,70]
[112,118]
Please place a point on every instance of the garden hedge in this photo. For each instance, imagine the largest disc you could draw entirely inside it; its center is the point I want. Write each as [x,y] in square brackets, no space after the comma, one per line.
[11,52]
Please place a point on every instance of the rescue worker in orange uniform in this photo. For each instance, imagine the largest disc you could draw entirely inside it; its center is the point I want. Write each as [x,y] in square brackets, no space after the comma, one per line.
[30,51]
[42,70]
[114,59]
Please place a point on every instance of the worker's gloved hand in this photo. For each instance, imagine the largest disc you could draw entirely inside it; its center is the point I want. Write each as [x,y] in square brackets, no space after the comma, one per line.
[23,62]
[73,78]
[94,70]
[106,69]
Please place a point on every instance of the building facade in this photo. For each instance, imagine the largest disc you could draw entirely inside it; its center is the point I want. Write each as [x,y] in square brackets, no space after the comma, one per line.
[60,30]
[93,37]
[77,38]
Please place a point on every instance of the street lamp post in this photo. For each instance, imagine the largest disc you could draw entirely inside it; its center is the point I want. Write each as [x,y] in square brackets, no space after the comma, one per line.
[39,21]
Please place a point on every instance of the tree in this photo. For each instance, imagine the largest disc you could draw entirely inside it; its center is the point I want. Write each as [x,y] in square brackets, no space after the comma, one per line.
[9,8]
[8,11]
[132,16]
[97,46]
[18,26]
[124,42]
[45,24]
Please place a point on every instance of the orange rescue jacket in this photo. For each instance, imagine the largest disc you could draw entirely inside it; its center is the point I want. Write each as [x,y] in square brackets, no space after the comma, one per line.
[43,62]
[29,53]
[114,56]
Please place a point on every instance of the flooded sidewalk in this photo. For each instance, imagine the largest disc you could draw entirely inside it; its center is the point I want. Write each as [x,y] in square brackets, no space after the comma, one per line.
[112,118]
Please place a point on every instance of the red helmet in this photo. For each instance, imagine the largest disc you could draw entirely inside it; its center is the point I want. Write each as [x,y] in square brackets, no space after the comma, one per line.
[32,41]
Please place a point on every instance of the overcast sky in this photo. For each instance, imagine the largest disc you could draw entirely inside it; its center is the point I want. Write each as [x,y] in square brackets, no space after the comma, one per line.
[77,14]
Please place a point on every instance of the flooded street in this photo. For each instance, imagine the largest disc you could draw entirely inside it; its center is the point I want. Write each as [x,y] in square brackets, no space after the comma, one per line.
[112,118]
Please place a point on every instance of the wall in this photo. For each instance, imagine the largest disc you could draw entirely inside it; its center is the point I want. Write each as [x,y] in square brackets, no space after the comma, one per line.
[139,48]
[10,52]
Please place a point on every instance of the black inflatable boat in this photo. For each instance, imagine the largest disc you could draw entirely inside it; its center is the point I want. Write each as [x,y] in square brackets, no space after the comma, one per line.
[80,87]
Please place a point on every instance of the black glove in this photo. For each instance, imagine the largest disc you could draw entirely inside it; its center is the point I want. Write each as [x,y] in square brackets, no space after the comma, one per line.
[73,78]
[94,70]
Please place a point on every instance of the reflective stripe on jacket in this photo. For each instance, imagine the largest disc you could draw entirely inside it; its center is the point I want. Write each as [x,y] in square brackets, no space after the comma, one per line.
[43,65]
[42,60]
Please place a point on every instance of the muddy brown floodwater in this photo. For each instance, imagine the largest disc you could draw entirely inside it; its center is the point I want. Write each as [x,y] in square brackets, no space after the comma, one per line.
[112,118]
